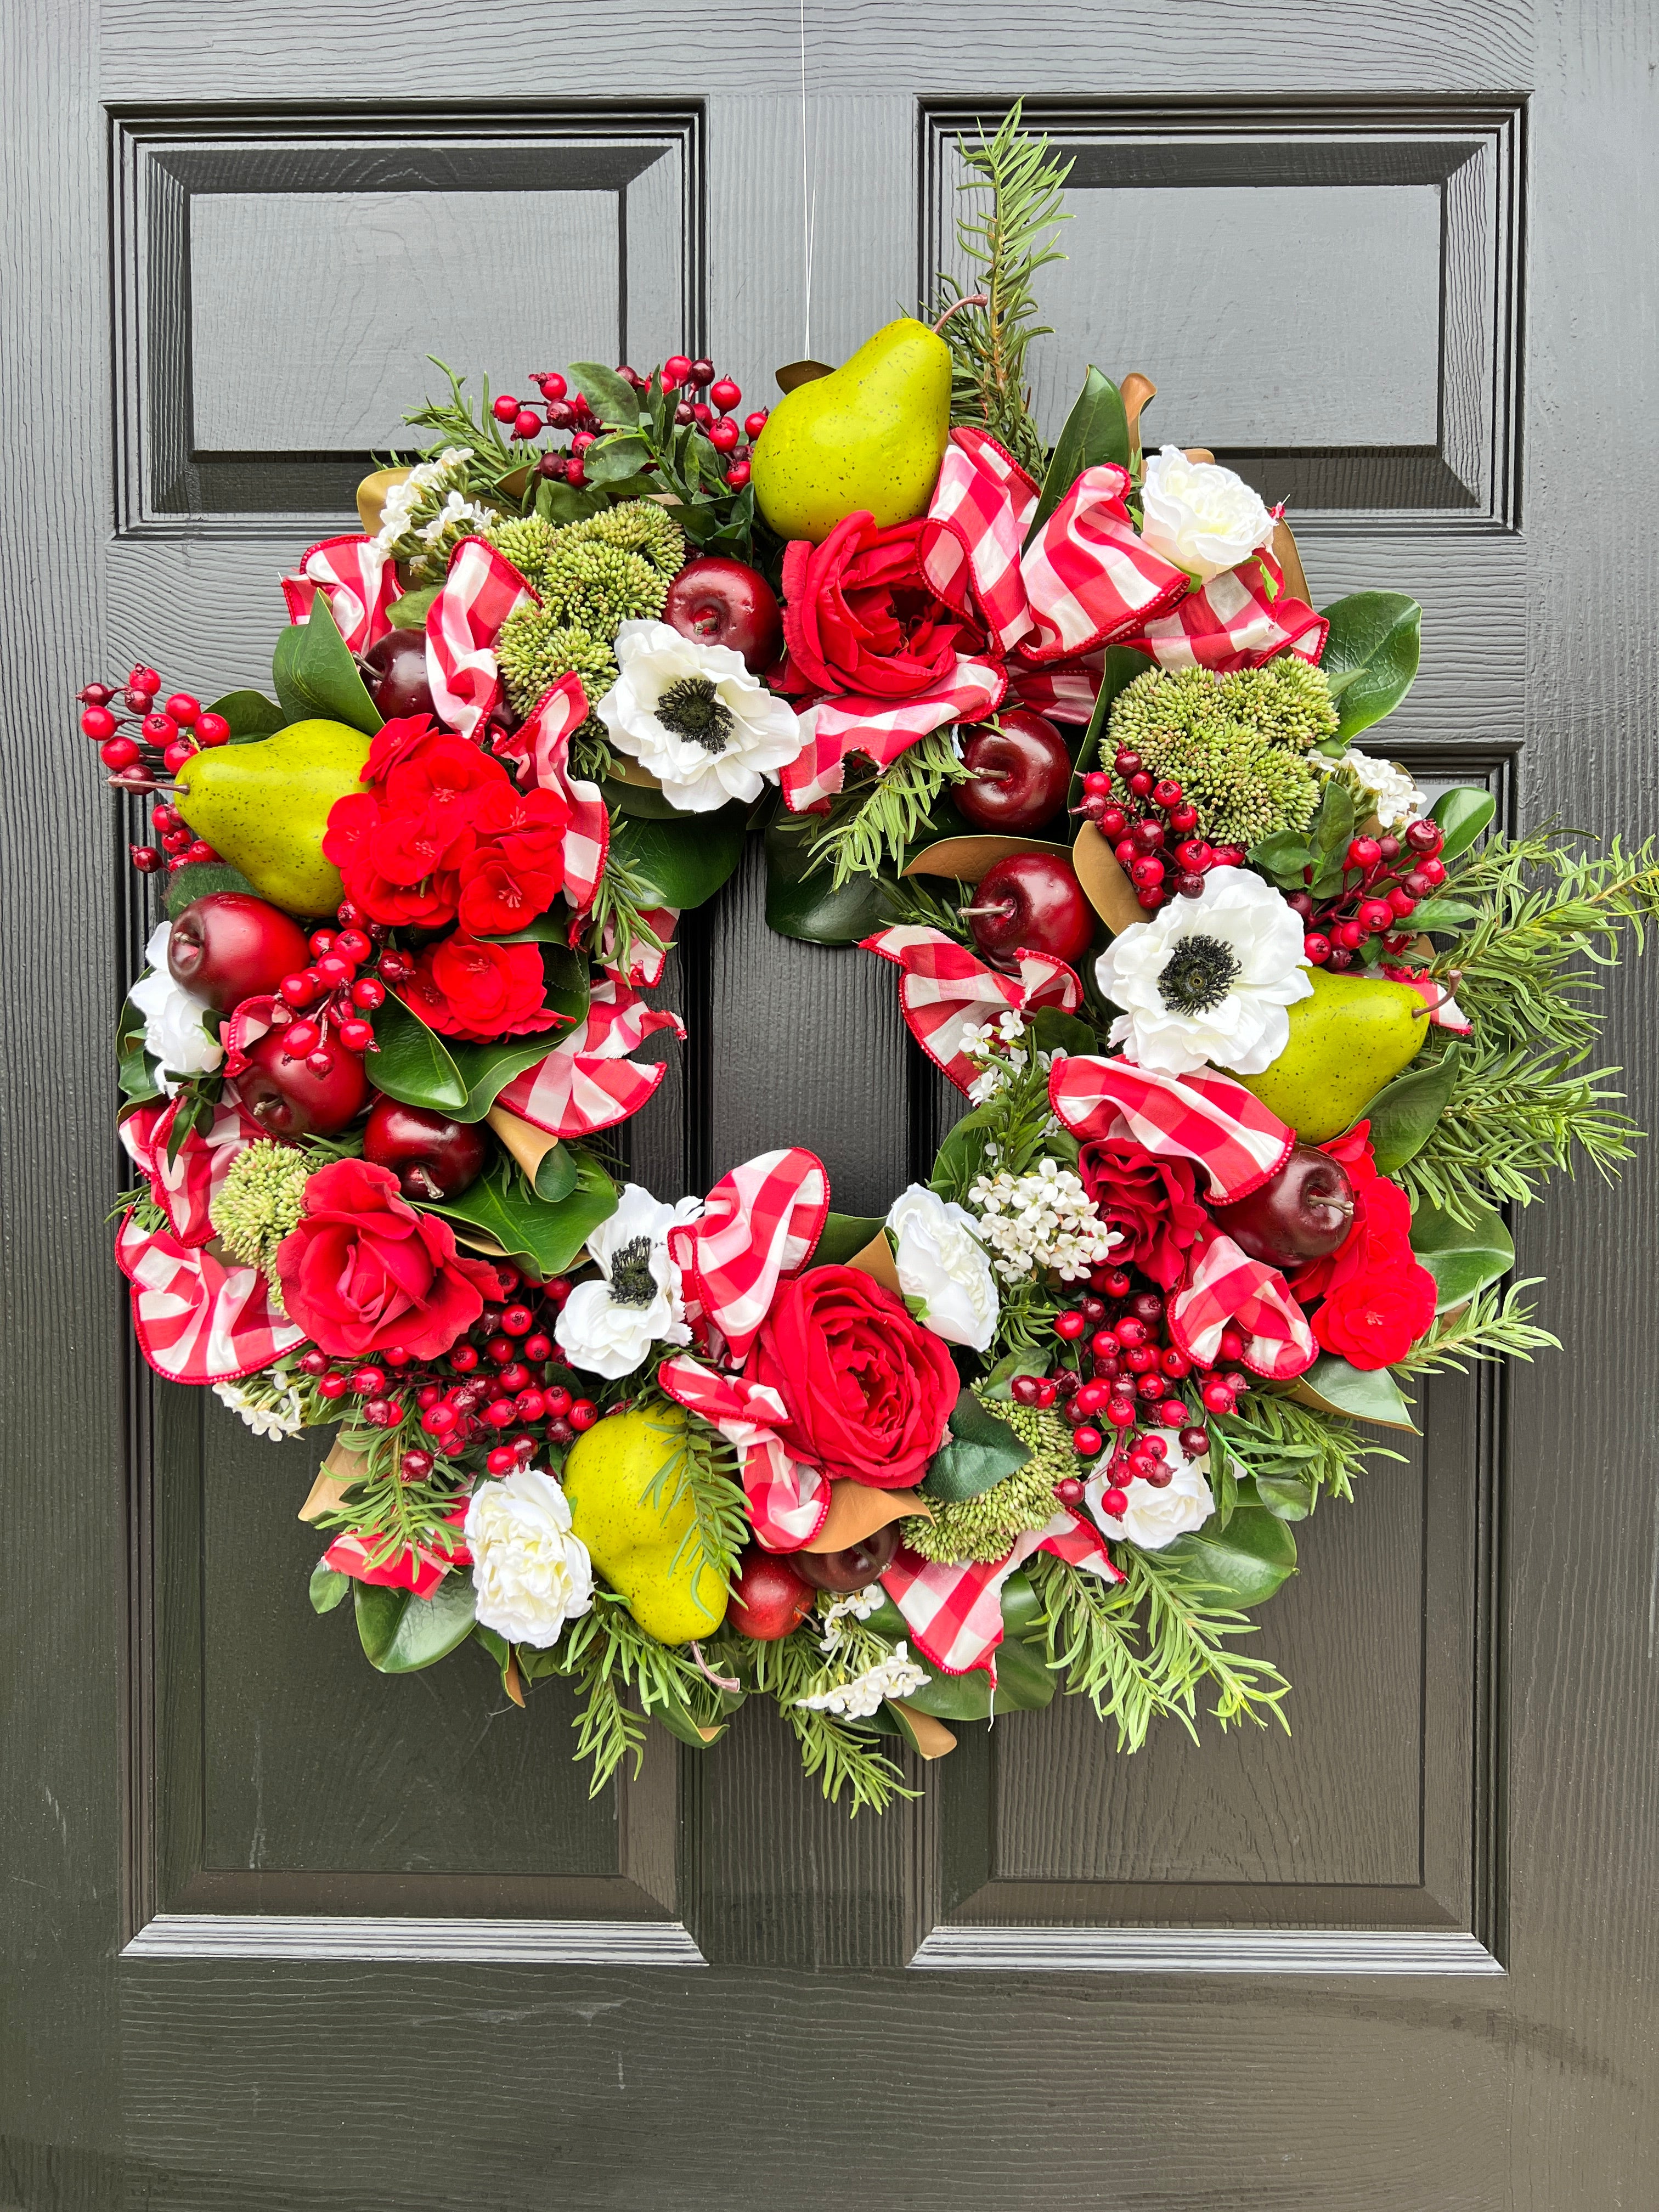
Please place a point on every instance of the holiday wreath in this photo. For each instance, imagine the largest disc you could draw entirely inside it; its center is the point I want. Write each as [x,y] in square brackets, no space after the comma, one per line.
[1256,1045]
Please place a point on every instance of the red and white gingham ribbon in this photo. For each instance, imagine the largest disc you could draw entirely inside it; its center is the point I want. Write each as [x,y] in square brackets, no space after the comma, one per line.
[1238,620]
[186,1186]
[481,589]
[944,988]
[539,750]
[419,1568]
[1204,1117]
[789,1498]
[587,1081]
[1226,1288]
[360,582]
[761,1223]
[197,1320]
[646,962]
[954,1613]
[881,730]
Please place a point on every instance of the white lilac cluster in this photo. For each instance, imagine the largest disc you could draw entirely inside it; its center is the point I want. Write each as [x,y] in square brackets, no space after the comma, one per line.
[1045,1219]
[1394,797]
[833,1621]
[269,1403]
[428,506]
[897,1676]
[998,1048]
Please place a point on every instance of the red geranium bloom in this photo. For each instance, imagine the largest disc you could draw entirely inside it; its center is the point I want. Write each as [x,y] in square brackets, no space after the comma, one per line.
[861,617]
[527,826]
[446,774]
[354,823]
[1378,1297]
[395,741]
[464,988]
[497,897]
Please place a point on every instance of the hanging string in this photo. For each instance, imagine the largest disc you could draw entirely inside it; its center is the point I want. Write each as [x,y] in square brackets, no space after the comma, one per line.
[809,202]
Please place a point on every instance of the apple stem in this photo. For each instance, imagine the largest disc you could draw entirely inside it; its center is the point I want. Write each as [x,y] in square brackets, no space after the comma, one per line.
[719,1681]
[966,911]
[969,300]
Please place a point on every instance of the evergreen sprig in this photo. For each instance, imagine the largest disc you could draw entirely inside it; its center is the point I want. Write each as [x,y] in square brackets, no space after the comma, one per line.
[909,899]
[621,902]
[700,1465]
[454,423]
[842,1754]
[1514,1118]
[1494,1325]
[1270,1436]
[870,824]
[607,1654]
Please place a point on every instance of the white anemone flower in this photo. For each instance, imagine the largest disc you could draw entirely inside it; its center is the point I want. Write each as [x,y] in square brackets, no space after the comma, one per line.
[175,1033]
[708,730]
[1207,981]
[608,1326]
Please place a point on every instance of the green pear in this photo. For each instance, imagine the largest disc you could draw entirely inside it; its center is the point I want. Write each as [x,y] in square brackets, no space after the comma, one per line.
[263,807]
[868,437]
[1354,1035]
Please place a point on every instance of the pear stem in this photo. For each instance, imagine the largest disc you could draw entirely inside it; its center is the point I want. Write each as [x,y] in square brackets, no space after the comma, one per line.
[719,1681]
[969,300]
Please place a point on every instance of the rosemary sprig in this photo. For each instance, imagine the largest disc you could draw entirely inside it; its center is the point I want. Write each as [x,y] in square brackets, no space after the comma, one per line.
[843,1756]
[620,903]
[908,899]
[1514,1118]
[701,1465]
[1494,1325]
[1274,1436]
[871,823]
[606,1653]
[455,424]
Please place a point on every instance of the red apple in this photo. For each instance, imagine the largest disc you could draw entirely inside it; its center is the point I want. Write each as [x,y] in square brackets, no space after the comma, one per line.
[287,1096]
[855,1568]
[1031,903]
[431,1156]
[230,946]
[1021,770]
[721,602]
[397,679]
[1303,1213]
[768,1598]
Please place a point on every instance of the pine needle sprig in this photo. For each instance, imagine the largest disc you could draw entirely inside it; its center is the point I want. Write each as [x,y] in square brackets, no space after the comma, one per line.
[620,902]
[1515,1118]
[910,900]
[870,824]
[1015,195]
[843,1757]
[607,1654]
[454,423]
[1494,1325]
[702,1466]
[1273,1436]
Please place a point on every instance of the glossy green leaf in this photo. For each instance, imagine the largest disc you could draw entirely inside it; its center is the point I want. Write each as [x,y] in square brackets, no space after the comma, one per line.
[999,1382]
[805,906]
[678,1721]
[557,1173]
[201,879]
[533,1233]
[316,677]
[1119,669]
[1329,836]
[1245,1562]
[1095,431]
[684,862]
[1370,656]
[1444,915]
[981,1450]
[610,460]
[1058,1032]
[638,799]
[1462,813]
[844,1235]
[1024,1685]
[413,1062]
[135,1070]
[1403,1113]
[1463,1258]
[250,715]
[402,1633]
[1283,856]
[1286,1496]
[411,612]
[1368,1394]
[328,1586]
[612,396]
[559,503]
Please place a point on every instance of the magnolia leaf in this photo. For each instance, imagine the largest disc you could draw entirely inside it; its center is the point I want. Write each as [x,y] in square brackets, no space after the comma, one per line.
[401,1632]
[413,1063]
[1095,431]
[201,879]
[1370,656]
[316,677]
[1058,1032]
[1462,813]
[411,612]
[1403,1113]
[328,1586]
[845,1235]
[1365,1393]
[1333,829]
[610,396]
[804,905]
[545,1236]
[682,863]
[1463,1257]
[1243,1562]
[982,1451]
[250,715]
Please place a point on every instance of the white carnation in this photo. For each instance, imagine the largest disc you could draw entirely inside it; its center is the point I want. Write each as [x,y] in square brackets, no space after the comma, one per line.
[531,1574]
[942,1266]
[1199,516]
[693,714]
[1153,1517]
[175,1034]
[608,1326]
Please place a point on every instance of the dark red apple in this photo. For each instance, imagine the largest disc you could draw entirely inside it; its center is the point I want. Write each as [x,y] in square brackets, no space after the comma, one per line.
[1021,770]
[1303,1213]
[286,1096]
[432,1156]
[396,675]
[721,602]
[230,946]
[768,1598]
[1031,903]
[855,1568]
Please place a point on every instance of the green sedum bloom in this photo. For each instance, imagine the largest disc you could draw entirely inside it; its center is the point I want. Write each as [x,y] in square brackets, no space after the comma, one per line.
[590,577]
[525,540]
[535,649]
[984,1527]
[260,1201]
[1236,743]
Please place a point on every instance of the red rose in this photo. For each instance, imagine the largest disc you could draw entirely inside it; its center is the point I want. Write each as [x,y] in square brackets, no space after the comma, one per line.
[364,1271]
[467,988]
[355,823]
[869,1390]
[1154,1203]
[859,616]
[1378,1297]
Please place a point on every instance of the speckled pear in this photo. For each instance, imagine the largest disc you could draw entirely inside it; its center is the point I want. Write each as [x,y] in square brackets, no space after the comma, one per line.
[869,437]
[639,1524]
[1355,1034]
[263,807]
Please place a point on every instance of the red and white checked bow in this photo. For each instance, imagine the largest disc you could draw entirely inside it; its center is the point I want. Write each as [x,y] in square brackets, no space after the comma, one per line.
[1204,1117]
[197,1320]
[954,1613]
[539,751]
[186,1186]
[1226,1288]
[359,581]
[419,1568]
[789,1498]
[882,729]
[944,989]
[481,589]
[761,1223]
[587,1081]
[646,962]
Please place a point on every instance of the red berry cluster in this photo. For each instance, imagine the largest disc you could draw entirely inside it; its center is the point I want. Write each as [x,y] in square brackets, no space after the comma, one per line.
[145,742]
[1384,881]
[501,1376]
[331,992]
[564,411]
[1154,833]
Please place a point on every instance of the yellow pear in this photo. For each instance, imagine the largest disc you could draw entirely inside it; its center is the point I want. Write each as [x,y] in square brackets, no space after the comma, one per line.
[1354,1035]
[868,437]
[263,807]
[629,1507]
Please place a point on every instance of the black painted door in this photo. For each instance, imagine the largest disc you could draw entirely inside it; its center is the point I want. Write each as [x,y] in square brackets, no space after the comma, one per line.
[282,1932]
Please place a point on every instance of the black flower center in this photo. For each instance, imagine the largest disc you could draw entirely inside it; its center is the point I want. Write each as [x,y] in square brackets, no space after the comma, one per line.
[1197,976]
[690,709]
[632,1283]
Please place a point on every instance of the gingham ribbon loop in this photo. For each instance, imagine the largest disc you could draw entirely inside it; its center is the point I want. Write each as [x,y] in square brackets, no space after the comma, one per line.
[882,730]
[954,1613]
[1226,1288]
[1238,620]
[417,1568]
[197,1320]
[539,751]
[761,1223]
[588,1082]
[185,1185]
[788,1499]
[358,580]
[1204,1117]
[480,591]
[944,989]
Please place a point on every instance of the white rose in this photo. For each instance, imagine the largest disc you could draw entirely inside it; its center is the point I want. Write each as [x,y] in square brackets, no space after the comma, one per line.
[1207,981]
[943,1266]
[174,1032]
[693,714]
[1199,516]
[1154,1517]
[608,1327]
[530,1574]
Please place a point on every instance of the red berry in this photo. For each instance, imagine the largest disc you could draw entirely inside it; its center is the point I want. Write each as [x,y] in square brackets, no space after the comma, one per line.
[298,989]
[1316,948]
[1121,1413]
[367,1382]
[1131,1330]
[754,423]
[1351,935]
[1175,1363]
[526,423]
[1126,761]
[550,383]
[183,708]
[368,993]
[1228,856]
[1115,1282]
[1140,1359]
[1023,1389]
[99,722]
[738,475]
[464,1358]
[1194,1443]
[1166,793]
[675,371]
[1142,784]
[331,1386]
[1424,837]
[1189,884]
[1069,1326]
[94,695]
[160,729]
[1173,1413]
[1184,816]
[725,394]
[301,1038]
[1363,852]
[723,434]
[1104,1343]
[1373,915]
[1114,1503]
[517,1320]
[1148,835]
[1146,869]
[145,858]
[504,407]
[583,1414]
[438,1420]
[499,1412]
[514,1376]
[357,1035]
[500,1349]
[502,1460]
[1113,823]
[1125,851]
[557,1402]
[118,752]
[575,474]
[1087,1441]
[212,730]
[538,1348]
